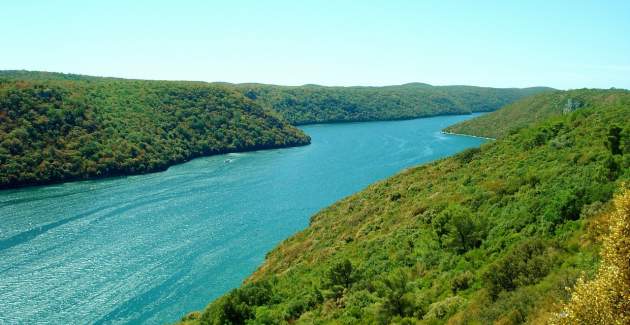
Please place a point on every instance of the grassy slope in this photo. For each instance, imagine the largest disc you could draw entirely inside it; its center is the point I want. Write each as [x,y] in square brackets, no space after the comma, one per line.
[56,127]
[531,109]
[319,104]
[488,235]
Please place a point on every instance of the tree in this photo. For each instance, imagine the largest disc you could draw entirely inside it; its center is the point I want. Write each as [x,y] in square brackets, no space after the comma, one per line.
[239,305]
[614,140]
[524,264]
[396,292]
[341,274]
[456,228]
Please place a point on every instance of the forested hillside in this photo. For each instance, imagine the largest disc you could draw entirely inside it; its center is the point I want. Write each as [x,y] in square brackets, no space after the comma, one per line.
[529,110]
[56,127]
[319,104]
[490,235]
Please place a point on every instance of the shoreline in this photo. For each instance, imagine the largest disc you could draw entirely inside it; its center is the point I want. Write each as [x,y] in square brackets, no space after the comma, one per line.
[467,135]
[397,119]
[158,169]
[114,174]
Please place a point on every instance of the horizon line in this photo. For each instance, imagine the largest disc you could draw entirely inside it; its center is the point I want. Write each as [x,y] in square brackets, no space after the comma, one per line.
[285,85]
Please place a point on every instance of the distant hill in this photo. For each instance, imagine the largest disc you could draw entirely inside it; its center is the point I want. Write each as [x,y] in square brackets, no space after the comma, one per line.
[492,235]
[309,104]
[57,127]
[319,104]
[529,110]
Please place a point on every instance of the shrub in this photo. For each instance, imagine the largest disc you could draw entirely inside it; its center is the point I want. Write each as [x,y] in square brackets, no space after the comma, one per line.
[457,228]
[268,316]
[524,264]
[239,305]
[462,281]
[467,155]
[396,292]
[444,308]
[303,303]
[614,140]
[341,274]
[606,299]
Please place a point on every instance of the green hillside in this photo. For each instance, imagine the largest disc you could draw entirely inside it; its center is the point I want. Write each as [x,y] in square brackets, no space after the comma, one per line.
[493,234]
[531,109]
[319,104]
[56,127]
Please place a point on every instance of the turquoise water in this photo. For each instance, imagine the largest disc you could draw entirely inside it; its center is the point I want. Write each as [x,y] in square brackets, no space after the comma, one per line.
[150,248]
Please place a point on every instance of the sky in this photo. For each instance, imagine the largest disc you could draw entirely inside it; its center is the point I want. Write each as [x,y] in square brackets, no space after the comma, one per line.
[561,44]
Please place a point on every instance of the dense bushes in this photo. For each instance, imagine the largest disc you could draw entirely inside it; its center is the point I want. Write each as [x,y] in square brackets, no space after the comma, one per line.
[533,109]
[57,127]
[524,264]
[456,227]
[319,104]
[493,235]
[341,274]
[56,130]
[396,291]
[606,299]
[240,304]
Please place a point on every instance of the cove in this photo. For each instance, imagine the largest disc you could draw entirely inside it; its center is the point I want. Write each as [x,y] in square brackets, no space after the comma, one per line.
[150,248]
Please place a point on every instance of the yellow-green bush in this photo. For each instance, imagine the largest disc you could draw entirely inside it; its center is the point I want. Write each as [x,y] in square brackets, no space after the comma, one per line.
[606,299]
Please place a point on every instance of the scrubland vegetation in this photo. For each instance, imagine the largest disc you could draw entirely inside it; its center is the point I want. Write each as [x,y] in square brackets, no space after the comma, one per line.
[71,127]
[58,127]
[319,104]
[490,235]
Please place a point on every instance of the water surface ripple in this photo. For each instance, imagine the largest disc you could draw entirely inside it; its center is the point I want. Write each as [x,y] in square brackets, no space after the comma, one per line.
[149,248]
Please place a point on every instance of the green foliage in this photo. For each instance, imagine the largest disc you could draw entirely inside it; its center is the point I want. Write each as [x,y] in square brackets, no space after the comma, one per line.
[614,140]
[467,155]
[58,127]
[53,129]
[339,278]
[341,274]
[441,310]
[491,235]
[302,303]
[240,305]
[396,293]
[522,265]
[605,299]
[456,227]
[319,104]
[533,109]
[462,281]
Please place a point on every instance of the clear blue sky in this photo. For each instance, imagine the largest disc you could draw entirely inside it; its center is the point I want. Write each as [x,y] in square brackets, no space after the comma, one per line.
[562,44]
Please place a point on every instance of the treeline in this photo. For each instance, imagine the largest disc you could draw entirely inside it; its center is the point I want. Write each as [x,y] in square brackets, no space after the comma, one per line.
[56,127]
[318,104]
[523,113]
[490,235]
